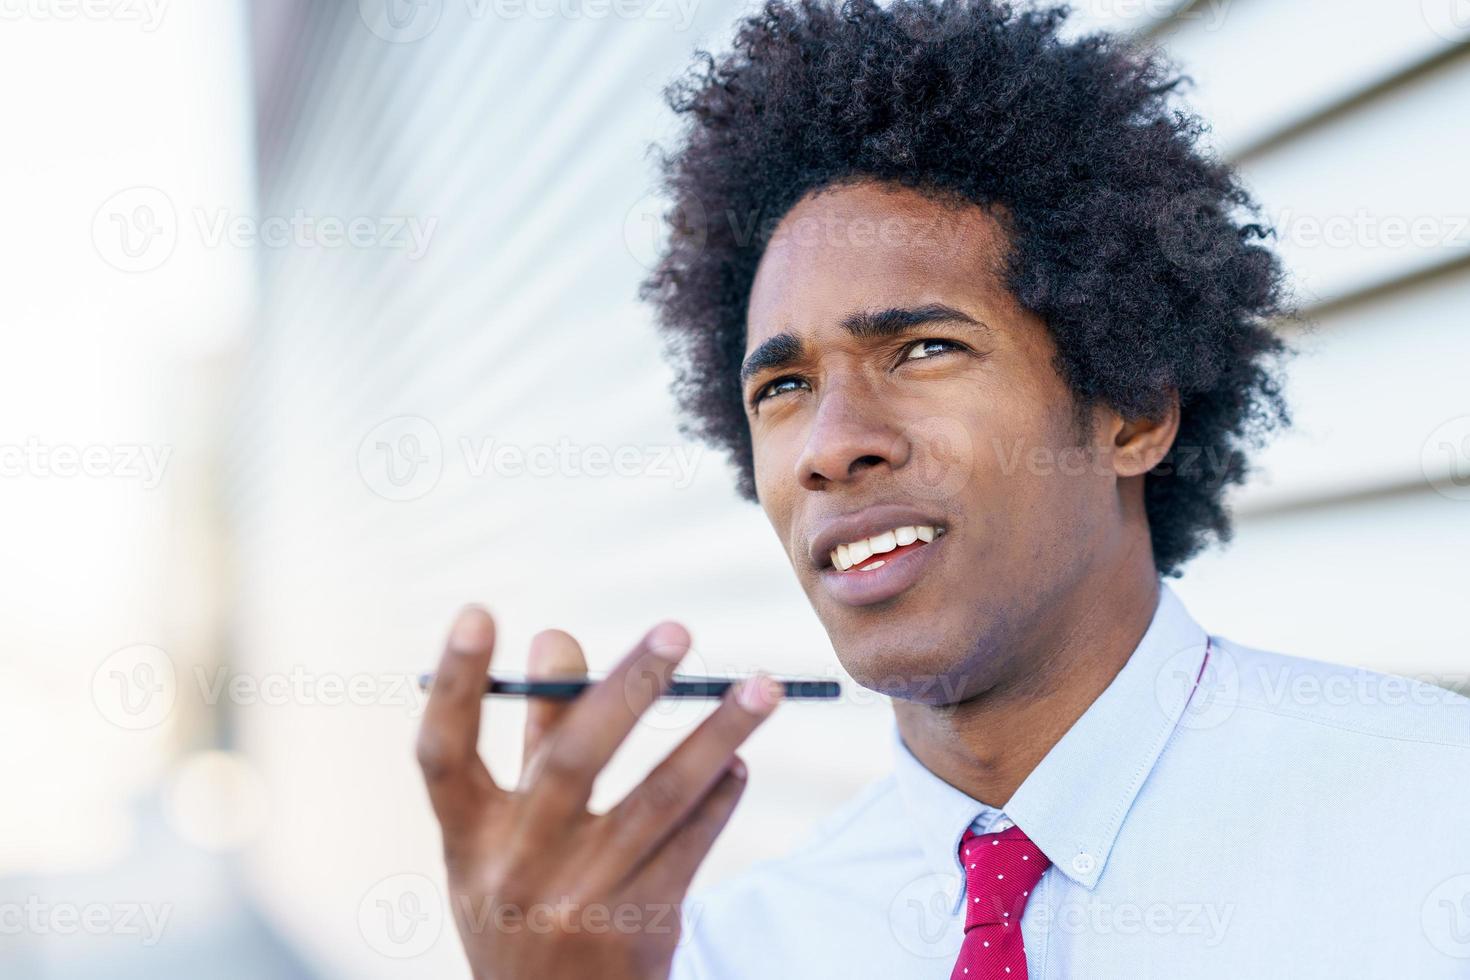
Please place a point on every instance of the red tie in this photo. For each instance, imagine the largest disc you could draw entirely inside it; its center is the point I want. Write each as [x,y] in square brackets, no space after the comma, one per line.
[1001,870]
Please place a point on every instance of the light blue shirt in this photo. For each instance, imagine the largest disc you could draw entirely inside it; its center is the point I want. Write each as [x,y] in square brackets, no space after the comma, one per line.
[1281,818]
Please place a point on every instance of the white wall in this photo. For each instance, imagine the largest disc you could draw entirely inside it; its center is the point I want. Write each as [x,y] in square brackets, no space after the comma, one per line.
[518,146]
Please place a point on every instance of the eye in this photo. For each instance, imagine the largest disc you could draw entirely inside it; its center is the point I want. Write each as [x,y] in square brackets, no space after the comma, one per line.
[780,386]
[930,347]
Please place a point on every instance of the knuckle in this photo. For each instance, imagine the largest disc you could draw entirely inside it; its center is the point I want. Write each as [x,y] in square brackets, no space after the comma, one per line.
[566,757]
[662,792]
[563,762]
[512,890]
[436,757]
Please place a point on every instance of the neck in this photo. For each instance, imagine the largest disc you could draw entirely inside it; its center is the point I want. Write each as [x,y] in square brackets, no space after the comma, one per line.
[988,745]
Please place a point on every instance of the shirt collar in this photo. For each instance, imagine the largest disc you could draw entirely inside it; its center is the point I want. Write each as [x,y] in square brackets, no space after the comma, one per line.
[1073,803]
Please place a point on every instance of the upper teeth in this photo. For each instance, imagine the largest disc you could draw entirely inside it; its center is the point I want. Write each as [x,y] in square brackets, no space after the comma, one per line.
[855,553]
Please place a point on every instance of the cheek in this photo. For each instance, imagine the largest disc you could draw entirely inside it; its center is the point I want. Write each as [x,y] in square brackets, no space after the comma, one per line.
[775,484]
[767,477]
[948,456]
[1065,489]
[1023,457]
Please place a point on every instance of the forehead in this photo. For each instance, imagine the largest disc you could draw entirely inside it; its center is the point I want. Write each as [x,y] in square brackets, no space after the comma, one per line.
[870,246]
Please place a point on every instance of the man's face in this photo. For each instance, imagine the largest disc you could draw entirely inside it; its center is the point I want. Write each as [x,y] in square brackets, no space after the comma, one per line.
[901,403]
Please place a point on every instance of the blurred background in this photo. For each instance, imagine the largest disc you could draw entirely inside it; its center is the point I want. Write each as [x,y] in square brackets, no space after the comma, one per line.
[320,320]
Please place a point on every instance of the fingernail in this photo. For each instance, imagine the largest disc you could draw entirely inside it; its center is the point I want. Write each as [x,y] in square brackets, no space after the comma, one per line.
[669,640]
[472,630]
[737,768]
[759,694]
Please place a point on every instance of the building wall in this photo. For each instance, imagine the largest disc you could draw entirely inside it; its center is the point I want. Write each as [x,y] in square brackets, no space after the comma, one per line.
[367,501]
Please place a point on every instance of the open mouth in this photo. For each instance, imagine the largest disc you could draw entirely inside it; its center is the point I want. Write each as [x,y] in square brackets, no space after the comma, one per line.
[871,553]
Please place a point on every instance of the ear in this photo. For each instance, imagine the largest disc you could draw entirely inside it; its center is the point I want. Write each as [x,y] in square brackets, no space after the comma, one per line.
[1141,444]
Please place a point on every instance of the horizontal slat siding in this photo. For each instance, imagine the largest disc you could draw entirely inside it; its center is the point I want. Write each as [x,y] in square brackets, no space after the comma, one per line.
[1372,382]
[1377,581]
[1260,67]
[525,141]
[1375,194]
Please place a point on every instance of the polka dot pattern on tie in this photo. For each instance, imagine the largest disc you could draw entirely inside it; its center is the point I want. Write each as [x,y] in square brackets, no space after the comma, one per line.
[1000,872]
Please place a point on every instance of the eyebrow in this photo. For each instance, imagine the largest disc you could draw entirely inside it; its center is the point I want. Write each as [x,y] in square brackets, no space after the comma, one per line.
[786,348]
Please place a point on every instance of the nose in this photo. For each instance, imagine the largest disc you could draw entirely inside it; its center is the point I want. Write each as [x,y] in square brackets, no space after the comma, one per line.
[850,435]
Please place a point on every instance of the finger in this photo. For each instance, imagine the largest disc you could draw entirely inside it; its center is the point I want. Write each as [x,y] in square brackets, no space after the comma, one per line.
[656,808]
[666,874]
[554,654]
[600,719]
[457,779]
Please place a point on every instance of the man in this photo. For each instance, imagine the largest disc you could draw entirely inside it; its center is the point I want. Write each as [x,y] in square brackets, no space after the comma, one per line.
[985,334]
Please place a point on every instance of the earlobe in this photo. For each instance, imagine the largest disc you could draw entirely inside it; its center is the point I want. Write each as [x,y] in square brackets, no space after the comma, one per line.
[1141,444]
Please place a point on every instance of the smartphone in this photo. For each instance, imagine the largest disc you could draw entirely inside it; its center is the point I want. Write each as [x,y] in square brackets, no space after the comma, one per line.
[680,687]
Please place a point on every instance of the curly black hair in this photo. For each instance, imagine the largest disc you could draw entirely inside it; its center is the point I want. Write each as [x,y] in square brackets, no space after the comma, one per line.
[1135,246]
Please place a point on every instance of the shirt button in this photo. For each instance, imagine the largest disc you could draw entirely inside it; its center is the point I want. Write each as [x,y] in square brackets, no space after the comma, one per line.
[1004,824]
[1083,864]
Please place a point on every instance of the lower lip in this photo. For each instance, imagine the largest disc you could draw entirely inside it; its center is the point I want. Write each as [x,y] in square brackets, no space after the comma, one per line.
[857,588]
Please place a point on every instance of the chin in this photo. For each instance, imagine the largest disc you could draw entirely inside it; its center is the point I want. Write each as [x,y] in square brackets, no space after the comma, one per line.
[925,666]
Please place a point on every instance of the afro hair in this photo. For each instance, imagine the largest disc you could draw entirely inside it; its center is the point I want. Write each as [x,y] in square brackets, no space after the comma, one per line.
[1132,243]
